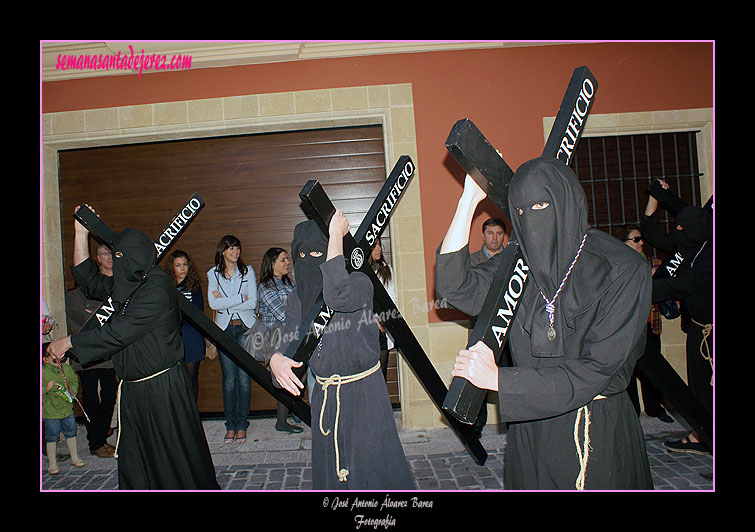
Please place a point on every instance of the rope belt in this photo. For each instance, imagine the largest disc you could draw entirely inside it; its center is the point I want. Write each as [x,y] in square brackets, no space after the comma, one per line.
[338,380]
[583,452]
[118,404]
[707,329]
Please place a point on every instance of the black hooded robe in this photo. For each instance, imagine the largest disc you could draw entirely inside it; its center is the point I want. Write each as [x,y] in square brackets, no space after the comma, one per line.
[368,443]
[600,322]
[692,284]
[162,443]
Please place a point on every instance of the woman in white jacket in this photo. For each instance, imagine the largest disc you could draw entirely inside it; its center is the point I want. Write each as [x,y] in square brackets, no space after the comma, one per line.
[232,293]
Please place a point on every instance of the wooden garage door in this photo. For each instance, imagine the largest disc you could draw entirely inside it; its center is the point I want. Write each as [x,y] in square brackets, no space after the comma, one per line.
[250,184]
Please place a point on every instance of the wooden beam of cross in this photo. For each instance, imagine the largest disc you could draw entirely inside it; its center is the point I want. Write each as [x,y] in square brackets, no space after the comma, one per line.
[480,160]
[315,319]
[107,236]
[196,317]
[356,253]
[676,395]
[563,139]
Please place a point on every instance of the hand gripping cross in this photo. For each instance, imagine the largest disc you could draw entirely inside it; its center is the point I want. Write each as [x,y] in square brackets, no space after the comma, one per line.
[479,159]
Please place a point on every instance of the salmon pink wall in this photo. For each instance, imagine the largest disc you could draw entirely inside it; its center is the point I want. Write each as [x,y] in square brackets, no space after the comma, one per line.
[506,92]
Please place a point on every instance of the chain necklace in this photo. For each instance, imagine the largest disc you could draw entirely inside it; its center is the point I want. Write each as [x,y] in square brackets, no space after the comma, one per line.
[549,305]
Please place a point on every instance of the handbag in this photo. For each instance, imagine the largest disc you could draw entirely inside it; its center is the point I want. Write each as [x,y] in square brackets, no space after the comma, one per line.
[669,309]
[261,341]
[210,351]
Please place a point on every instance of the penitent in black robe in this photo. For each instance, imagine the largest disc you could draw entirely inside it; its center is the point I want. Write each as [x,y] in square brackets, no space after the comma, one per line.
[600,322]
[692,284]
[368,443]
[162,442]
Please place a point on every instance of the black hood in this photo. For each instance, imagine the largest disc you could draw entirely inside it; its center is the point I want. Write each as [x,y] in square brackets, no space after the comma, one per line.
[550,237]
[308,238]
[697,227]
[134,255]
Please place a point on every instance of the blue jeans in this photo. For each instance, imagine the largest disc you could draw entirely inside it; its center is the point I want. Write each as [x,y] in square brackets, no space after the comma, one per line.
[53,428]
[237,386]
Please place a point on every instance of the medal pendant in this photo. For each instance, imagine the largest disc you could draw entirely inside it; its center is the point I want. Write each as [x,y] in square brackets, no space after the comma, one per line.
[551,333]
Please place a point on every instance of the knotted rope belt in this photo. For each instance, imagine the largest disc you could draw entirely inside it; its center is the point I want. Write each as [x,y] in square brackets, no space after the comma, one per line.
[118,404]
[338,380]
[583,452]
[707,328]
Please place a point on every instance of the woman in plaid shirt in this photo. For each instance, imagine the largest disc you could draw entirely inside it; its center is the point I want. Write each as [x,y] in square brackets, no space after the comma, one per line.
[275,285]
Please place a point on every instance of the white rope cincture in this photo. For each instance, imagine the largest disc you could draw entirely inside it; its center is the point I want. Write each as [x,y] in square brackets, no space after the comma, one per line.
[583,452]
[118,406]
[338,380]
[707,329]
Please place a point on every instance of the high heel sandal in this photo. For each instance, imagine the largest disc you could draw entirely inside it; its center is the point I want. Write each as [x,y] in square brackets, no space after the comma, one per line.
[240,439]
[230,436]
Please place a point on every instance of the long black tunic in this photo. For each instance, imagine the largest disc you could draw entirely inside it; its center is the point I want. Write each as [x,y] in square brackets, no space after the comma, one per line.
[162,443]
[601,290]
[540,396]
[692,284]
[368,443]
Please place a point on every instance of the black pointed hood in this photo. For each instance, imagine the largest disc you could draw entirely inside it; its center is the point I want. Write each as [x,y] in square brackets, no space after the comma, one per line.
[548,212]
[308,238]
[697,227]
[134,255]
[549,237]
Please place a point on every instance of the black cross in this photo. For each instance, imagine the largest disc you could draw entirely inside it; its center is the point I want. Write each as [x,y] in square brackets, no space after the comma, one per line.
[196,317]
[315,319]
[480,160]
[356,250]
[107,236]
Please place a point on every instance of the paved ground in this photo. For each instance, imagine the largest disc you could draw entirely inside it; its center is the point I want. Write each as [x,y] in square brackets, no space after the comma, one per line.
[272,460]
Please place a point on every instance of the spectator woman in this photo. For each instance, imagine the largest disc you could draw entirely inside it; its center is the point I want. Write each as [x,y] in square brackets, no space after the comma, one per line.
[275,285]
[186,278]
[232,294]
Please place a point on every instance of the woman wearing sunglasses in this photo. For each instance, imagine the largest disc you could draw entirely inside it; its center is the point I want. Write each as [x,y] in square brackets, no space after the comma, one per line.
[651,398]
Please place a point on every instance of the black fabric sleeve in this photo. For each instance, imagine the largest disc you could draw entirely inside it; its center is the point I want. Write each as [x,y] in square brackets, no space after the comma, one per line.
[462,286]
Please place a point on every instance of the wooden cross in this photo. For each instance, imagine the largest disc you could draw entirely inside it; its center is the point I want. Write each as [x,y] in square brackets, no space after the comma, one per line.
[356,250]
[196,317]
[480,160]
[162,243]
[315,319]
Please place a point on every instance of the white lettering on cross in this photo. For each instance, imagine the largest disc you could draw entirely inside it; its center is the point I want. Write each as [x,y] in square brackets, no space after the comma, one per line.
[108,308]
[513,293]
[387,206]
[175,226]
[576,121]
